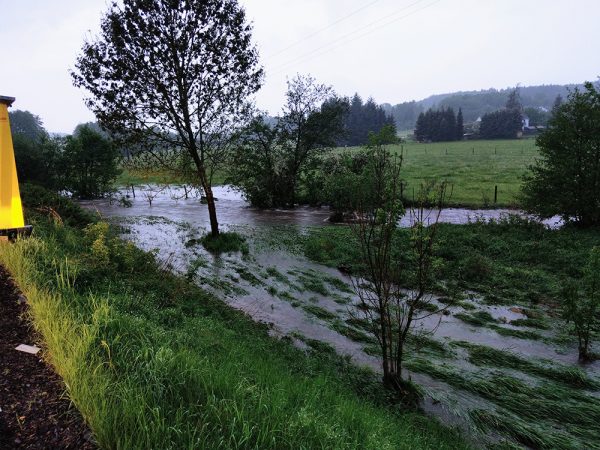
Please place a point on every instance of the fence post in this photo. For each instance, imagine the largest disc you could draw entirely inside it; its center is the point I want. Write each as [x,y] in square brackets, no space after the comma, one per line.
[495,194]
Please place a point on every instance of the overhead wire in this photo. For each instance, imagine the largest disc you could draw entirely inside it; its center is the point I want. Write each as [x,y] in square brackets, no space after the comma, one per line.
[331,25]
[342,40]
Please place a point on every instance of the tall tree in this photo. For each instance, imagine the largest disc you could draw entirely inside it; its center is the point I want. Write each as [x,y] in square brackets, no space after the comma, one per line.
[566,179]
[89,163]
[460,126]
[514,100]
[177,73]
[27,124]
[270,163]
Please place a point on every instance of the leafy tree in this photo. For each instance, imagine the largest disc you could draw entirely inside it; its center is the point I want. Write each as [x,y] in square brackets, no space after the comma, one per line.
[565,180]
[270,164]
[582,305]
[26,124]
[514,101]
[39,161]
[537,117]
[390,312]
[173,74]
[437,126]
[90,164]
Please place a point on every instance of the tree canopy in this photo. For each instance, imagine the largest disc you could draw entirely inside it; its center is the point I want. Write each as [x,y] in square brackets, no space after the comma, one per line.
[176,73]
[565,180]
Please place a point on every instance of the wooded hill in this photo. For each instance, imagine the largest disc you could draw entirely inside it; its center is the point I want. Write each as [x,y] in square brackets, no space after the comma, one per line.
[475,104]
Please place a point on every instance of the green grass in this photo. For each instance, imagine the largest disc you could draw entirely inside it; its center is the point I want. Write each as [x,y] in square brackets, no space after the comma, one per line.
[225,242]
[471,168]
[152,361]
[157,175]
[548,415]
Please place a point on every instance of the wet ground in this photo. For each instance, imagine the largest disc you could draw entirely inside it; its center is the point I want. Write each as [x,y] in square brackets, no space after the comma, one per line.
[305,300]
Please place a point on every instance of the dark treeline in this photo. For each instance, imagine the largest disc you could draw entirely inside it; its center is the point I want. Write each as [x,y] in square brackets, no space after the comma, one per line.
[504,123]
[439,125]
[361,119]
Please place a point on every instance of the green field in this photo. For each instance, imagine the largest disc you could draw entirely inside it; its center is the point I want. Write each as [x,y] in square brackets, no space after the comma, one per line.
[472,169]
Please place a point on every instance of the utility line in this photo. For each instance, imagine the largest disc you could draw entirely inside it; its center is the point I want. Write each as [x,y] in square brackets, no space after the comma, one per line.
[336,43]
[331,25]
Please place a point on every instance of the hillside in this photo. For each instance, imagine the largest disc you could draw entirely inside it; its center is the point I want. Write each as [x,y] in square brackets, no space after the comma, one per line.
[475,103]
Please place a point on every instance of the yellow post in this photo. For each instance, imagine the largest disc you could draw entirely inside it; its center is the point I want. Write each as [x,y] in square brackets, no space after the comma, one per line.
[11,210]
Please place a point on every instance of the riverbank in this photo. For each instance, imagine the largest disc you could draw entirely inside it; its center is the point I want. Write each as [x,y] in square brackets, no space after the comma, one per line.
[174,367]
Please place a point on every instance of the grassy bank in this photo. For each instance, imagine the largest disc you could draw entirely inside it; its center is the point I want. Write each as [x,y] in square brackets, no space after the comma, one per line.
[152,361]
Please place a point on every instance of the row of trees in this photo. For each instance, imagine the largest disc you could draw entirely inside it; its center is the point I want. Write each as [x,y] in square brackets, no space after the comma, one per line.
[362,118]
[84,164]
[439,125]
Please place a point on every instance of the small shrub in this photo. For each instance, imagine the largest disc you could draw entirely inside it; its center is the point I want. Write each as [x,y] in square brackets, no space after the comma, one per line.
[228,242]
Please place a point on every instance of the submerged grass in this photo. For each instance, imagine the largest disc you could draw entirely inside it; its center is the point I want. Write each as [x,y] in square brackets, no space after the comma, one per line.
[563,417]
[152,361]
[487,356]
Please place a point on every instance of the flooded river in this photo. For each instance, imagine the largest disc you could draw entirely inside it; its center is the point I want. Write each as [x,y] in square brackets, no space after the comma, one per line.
[307,301]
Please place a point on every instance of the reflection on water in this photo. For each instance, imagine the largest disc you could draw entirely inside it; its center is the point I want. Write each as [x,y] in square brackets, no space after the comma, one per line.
[232,209]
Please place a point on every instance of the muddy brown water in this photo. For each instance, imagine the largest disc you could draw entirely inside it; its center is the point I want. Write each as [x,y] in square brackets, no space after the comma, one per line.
[171,222]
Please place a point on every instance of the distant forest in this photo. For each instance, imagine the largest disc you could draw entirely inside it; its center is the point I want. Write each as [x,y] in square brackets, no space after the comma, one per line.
[475,104]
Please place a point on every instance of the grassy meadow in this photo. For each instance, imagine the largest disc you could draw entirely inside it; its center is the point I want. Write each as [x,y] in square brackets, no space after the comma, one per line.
[471,168]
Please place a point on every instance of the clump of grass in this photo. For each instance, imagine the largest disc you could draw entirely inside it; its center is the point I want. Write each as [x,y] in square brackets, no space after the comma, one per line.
[478,318]
[314,284]
[248,276]
[549,405]
[319,312]
[483,355]
[352,333]
[528,434]
[272,291]
[521,334]
[225,242]
[530,322]
[285,295]
[276,274]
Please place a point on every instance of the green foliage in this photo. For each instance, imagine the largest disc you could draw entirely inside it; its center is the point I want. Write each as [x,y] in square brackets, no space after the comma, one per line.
[40,201]
[227,242]
[152,361]
[90,164]
[39,161]
[26,125]
[502,124]
[564,180]
[439,126]
[362,119]
[581,305]
[273,164]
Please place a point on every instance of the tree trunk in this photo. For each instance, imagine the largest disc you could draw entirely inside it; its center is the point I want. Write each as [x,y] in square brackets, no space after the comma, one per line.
[212,212]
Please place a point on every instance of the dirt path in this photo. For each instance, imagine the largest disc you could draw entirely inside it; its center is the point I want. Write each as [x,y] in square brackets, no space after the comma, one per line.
[35,412]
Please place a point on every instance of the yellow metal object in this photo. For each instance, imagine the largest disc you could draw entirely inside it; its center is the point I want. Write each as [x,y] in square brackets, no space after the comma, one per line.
[11,210]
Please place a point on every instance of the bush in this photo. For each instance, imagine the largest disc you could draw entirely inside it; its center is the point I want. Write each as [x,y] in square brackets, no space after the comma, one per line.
[228,242]
[36,199]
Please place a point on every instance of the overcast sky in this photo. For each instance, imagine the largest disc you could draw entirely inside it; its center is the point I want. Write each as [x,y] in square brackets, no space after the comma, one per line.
[392,50]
